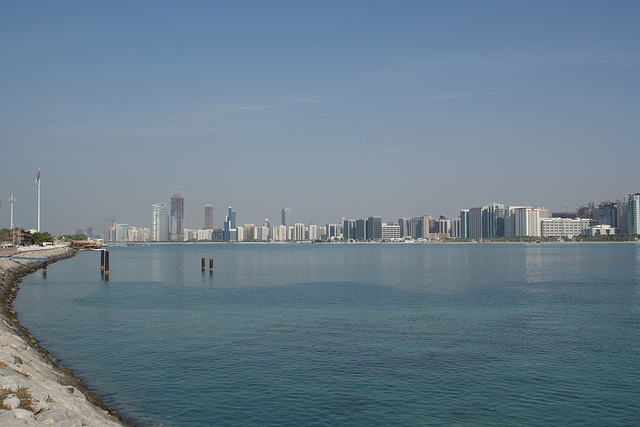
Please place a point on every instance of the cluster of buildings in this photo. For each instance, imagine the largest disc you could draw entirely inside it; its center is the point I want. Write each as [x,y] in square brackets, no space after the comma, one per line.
[493,221]
[118,232]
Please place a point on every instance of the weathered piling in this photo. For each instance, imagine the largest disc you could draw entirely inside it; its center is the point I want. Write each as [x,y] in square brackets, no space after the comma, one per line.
[211,265]
[106,262]
[203,264]
[102,260]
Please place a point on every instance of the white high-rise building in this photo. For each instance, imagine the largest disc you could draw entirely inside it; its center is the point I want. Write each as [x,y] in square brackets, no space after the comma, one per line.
[262,234]
[527,222]
[313,232]
[299,232]
[456,228]
[159,223]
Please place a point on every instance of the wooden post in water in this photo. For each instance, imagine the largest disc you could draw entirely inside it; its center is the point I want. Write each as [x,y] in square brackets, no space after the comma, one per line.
[211,266]
[102,259]
[106,262]
[203,263]
[44,269]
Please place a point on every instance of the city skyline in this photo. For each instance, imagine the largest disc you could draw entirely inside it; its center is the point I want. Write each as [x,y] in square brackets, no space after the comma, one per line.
[385,108]
[494,220]
[175,225]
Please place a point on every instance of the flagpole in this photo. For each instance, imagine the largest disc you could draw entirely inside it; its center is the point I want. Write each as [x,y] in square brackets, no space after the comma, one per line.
[38,201]
[38,184]
[12,201]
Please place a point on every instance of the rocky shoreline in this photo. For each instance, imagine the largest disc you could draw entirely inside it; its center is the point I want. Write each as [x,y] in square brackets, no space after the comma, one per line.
[35,389]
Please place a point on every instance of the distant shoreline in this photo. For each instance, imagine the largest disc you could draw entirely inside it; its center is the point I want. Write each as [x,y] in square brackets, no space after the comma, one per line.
[305,242]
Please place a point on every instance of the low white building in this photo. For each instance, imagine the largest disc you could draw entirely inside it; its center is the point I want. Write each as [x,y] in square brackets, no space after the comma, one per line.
[205,234]
[564,227]
[601,230]
[390,230]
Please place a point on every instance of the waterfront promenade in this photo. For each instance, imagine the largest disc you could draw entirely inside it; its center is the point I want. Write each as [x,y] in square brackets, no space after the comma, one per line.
[34,388]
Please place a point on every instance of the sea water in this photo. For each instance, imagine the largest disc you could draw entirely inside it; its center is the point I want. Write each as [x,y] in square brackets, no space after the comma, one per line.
[349,334]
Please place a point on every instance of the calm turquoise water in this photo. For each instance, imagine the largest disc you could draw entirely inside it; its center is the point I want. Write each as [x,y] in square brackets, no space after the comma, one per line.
[350,334]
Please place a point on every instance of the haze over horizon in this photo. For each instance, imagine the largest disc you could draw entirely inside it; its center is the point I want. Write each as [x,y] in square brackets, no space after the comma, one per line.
[331,108]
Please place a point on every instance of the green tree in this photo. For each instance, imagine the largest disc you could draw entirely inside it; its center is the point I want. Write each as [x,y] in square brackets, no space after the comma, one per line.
[5,235]
[73,237]
[39,238]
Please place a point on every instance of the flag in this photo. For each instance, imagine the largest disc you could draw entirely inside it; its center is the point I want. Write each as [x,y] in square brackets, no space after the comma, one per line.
[38,178]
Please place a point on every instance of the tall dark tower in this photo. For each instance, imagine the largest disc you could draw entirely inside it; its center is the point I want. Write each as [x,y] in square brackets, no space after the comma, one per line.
[286,217]
[208,217]
[177,215]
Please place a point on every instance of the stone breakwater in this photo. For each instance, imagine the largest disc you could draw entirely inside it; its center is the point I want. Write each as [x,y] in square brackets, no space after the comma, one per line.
[35,389]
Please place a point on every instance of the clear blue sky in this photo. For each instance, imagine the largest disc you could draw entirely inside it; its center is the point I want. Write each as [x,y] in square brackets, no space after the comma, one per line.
[346,108]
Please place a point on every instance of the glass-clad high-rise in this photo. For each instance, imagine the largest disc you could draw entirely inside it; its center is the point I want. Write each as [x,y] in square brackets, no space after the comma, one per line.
[177,216]
[464,224]
[159,223]
[633,213]
[286,217]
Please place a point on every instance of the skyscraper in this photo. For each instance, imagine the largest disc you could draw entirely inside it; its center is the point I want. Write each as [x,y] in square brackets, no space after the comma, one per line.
[208,217]
[159,223]
[608,214]
[108,229]
[229,226]
[527,221]
[464,224]
[177,216]
[374,228]
[633,213]
[348,229]
[286,217]
[475,223]
[494,220]
[416,227]
[299,232]
[232,218]
[405,227]
[361,229]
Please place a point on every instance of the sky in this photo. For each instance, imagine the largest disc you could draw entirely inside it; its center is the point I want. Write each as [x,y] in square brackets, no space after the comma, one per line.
[331,108]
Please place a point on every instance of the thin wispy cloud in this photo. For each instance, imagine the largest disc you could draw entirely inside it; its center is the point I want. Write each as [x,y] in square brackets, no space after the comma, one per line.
[299,101]
[582,58]
[454,96]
